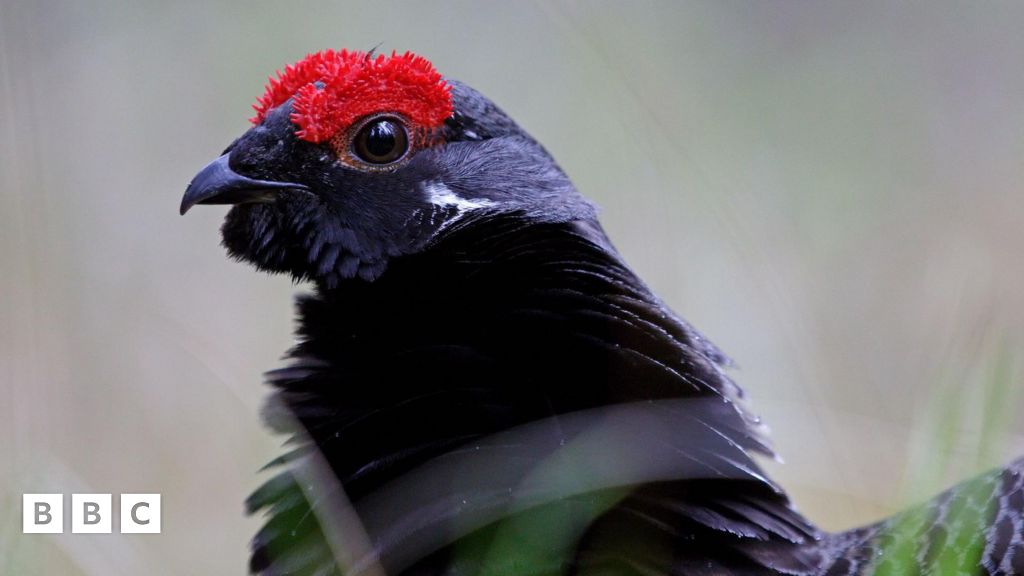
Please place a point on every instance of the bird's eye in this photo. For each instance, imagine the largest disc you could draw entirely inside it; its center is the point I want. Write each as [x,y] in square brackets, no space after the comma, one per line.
[381,141]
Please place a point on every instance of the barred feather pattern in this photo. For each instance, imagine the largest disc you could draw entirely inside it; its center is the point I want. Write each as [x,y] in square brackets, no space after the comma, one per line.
[974,528]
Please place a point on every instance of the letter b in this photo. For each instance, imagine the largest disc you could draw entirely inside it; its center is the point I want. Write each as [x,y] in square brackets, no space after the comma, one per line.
[42,513]
[90,513]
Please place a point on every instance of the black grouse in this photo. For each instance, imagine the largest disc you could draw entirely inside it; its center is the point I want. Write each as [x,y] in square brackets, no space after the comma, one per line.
[481,386]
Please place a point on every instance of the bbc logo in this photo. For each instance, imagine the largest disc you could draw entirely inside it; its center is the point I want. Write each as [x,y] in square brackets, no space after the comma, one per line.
[90,513]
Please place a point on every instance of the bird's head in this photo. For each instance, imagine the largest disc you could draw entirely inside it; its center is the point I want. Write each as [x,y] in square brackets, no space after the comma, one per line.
[355,160]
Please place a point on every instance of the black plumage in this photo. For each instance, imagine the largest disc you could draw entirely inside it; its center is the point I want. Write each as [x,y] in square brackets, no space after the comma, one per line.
[494,391]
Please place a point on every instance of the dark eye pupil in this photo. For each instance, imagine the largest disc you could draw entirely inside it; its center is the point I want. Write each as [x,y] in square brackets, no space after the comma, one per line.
[381,141]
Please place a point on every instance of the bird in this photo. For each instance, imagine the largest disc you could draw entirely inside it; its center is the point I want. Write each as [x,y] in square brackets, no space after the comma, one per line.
[480,383]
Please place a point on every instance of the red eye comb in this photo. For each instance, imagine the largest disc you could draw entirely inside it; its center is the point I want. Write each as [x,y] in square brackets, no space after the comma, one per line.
[333,89]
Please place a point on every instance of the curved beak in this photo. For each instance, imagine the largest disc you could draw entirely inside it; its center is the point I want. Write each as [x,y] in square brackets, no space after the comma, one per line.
[219,184]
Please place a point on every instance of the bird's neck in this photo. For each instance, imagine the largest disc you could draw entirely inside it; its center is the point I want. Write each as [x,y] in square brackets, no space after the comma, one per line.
[480,333]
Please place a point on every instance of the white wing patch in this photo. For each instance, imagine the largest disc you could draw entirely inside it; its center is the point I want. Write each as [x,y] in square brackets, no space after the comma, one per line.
[440,195]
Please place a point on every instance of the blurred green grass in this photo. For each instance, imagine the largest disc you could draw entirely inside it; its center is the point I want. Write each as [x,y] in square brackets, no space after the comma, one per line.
[990,395]
[831,191]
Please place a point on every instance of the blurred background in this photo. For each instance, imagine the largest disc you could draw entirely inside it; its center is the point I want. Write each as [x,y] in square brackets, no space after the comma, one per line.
[830,191]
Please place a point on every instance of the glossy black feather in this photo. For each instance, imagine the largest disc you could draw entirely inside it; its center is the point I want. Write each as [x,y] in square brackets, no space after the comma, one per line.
[504,323]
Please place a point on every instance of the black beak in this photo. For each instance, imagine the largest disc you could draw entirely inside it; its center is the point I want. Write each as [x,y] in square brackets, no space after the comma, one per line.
[219,184]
